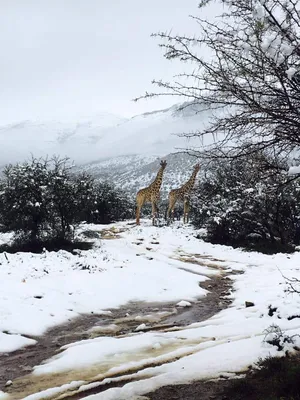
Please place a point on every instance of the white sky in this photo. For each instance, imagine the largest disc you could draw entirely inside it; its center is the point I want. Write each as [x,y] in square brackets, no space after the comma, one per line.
[65,58]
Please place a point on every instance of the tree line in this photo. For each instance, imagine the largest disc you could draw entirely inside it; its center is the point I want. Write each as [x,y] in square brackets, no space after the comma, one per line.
[42,200]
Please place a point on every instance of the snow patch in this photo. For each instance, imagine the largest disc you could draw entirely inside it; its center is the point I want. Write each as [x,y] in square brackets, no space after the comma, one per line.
[291,72]
[294,170]
[141,327]
[184,303]
[11,342]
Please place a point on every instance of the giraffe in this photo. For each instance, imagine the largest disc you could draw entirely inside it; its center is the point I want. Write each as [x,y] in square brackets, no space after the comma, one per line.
[183,194]
[150,194]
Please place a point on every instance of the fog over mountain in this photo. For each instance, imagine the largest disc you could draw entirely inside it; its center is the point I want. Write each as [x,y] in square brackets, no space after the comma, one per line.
[101,136]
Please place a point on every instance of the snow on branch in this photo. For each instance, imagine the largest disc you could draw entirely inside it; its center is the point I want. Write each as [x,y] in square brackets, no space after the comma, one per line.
[246,65]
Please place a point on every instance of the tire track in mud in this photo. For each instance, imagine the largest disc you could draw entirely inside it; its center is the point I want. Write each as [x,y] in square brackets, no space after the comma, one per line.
[17,366]
[94,379]
[218,288]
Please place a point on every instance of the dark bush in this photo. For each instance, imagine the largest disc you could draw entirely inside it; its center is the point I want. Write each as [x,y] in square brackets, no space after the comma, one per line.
[26,203]
[112,204]
[243,204]
[275,379]
[24,244]
[43,200]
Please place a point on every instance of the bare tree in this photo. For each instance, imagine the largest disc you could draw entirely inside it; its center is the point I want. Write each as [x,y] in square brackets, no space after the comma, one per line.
[250,80]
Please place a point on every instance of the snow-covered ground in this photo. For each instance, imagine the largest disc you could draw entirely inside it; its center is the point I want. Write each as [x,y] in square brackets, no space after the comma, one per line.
[39,291]
[146,264]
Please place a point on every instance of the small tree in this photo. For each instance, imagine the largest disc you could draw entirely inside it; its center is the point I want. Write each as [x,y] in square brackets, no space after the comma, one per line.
[85,197]
[62,197]
[25,199]
[41,199]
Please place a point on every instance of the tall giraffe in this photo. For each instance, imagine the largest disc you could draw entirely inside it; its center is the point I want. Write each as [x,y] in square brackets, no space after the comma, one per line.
[150,194]
[183,194]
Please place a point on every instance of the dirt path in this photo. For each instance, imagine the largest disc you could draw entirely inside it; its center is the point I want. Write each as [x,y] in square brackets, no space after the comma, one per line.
[117,322]
[17,366]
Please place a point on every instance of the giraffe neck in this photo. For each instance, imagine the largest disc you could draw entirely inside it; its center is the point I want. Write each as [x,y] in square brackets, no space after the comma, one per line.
[190,183]
[156,184]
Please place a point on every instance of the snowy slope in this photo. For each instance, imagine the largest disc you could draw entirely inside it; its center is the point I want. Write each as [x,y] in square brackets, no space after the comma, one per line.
[131,173]
[156,132]
[99,137]
[123,151]
[74,139]
[157,264]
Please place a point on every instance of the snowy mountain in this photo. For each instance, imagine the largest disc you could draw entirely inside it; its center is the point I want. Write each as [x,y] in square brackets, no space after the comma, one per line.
[121,150]
[95,138]
[74,139]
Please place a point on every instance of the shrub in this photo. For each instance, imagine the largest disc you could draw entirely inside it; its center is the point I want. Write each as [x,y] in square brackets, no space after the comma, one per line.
[112,204]
[25,198]
[42,200]
[274,379]
[242,204]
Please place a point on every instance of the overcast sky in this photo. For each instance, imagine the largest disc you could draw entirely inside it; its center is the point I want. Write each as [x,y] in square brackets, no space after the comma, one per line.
[65,58]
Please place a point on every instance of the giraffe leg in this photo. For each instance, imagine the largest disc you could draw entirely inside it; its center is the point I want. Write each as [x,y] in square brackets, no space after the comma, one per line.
[172,202]
[186,209]
[139,204]
[138,212]
[154,212]
[168,212]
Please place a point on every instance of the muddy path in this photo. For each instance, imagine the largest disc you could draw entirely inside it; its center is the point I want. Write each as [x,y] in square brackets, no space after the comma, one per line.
[16,366]
[116,322]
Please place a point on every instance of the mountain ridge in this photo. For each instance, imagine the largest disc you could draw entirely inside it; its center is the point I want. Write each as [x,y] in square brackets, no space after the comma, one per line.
[122,150]
[101,136]
[134,172]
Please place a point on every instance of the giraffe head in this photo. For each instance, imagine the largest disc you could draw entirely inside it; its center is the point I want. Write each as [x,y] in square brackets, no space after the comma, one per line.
[163,164]
[197,167]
